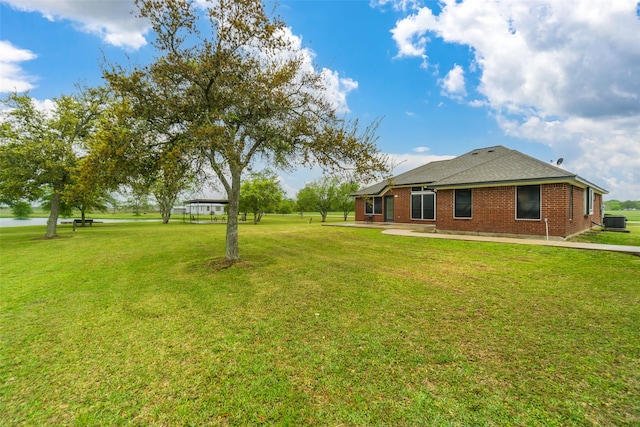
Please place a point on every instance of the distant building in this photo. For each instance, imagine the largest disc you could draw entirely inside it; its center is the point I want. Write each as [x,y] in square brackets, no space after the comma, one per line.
[199,210]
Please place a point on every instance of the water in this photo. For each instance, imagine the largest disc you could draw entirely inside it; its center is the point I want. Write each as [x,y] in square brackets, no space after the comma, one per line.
[12,222]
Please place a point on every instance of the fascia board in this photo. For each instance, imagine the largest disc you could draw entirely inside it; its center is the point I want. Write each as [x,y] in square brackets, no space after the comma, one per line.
[567,180]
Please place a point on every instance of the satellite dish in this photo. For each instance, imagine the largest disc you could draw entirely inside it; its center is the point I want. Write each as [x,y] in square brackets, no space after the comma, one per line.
[559,162]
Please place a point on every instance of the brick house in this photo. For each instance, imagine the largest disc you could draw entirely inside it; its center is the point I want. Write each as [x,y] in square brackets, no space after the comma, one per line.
[492,190]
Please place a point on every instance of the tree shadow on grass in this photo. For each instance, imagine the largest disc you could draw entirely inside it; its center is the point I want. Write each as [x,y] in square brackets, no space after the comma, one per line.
[219,264]
[51,238]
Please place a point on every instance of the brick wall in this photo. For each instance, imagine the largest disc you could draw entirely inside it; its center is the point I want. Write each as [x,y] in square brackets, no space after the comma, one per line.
[401,207]
[582,221]
[494,211]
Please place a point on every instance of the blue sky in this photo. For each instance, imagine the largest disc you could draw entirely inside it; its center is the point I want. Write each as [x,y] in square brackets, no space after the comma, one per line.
[549,78]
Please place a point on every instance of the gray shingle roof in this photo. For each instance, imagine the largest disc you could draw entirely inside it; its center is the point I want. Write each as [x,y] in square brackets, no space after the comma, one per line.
[510,165]
[491,165]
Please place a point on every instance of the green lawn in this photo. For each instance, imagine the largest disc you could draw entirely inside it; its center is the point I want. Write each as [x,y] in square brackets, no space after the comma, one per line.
[613,237]
[141,324]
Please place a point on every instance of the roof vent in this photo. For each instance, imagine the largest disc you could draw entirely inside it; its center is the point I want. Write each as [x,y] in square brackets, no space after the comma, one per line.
[474,153]
[492,150]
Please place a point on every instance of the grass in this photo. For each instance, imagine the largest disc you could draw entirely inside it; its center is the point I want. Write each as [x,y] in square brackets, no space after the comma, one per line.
[141,324]
[615,238]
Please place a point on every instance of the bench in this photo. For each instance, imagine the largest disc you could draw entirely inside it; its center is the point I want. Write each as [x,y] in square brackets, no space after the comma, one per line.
[78,222]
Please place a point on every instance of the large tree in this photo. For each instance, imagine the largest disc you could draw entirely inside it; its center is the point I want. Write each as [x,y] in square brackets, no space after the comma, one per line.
[237,91]
[40,150]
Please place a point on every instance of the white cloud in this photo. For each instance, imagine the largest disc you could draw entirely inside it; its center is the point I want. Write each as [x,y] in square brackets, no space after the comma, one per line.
[409,33]
[400,5]
[561,73]
[421,149]
[110,20]
[47,106]
[477,103]
[337,89]
[12,76]
[453,84]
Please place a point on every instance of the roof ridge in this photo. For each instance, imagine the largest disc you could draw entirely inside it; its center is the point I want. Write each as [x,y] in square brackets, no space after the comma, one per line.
[550,165]
[476,151]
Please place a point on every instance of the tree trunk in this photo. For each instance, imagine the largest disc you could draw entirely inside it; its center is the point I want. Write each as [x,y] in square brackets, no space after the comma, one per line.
[82,216]
[232,224]
[324,216]
[52,222]
[166,204]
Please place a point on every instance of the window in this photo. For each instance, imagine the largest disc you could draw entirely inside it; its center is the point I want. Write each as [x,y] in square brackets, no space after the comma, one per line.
[528,202]
[373,206]
[588,201]
[462,204]
[423,203]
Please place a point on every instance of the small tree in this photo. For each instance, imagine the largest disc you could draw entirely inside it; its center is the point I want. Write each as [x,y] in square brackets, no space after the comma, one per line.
[321,195]
[287,206]
[259,194]
[21,209]
[138,200]
[173,177]
[86,195]
[344,199]
[306,200]
[113,202]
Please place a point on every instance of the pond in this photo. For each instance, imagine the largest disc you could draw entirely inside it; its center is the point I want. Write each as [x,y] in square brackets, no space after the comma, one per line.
[12,222]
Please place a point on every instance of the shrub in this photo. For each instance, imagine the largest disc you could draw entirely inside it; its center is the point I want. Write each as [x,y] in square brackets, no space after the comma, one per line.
[21,210]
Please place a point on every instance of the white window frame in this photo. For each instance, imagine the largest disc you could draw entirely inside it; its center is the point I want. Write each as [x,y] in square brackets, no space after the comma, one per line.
[589,200]
[422,192]
[373,205]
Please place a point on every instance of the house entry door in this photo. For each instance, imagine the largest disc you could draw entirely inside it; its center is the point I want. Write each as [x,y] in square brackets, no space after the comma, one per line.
[388,208]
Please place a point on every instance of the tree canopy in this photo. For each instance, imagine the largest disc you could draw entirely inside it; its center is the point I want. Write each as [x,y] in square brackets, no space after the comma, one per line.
[260,193]
[326,194]
[228,95]
[40,150]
